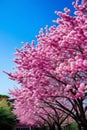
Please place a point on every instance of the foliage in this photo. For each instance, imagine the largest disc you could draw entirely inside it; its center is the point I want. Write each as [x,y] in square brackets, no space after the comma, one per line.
[7,119]
[72,126]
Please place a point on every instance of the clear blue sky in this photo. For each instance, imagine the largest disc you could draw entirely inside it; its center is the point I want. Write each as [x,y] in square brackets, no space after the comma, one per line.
[21,20]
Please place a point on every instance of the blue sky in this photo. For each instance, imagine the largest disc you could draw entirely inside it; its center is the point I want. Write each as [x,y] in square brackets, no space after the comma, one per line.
[21,20]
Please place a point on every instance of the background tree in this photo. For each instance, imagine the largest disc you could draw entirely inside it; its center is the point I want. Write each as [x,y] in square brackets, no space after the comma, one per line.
[7,119]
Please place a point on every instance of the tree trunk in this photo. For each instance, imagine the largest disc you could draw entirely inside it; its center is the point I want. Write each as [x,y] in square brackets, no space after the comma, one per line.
[59,127]
[55,127]
[52,127]
[79,127]
[82,125]
[84,128]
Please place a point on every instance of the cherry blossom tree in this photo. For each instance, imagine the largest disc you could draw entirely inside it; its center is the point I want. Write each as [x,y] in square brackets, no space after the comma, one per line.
[55,70]
[37,112]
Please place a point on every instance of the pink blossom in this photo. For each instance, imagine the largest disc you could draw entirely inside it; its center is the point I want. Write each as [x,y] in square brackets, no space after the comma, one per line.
[82,86]
[85,63]
[68,87]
